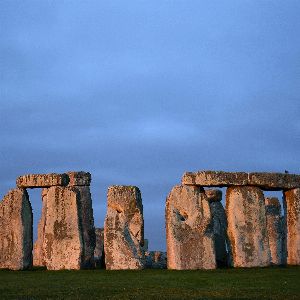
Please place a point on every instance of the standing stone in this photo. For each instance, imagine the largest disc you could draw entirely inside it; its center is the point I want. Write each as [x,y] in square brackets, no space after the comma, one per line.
[156,260]
[81,181]
[292,216]
[190,243]
[247,230]
[124,229]
[99,249]
[219,225]
[275,230]
[63,236]
[16,231]
[38,251]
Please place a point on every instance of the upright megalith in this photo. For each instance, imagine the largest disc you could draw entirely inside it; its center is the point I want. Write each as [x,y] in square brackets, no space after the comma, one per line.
[38,251]
[124,229]
[274,230]
[219,222]
[99,249]
[247,230]
[81,181]
[63,237]
[16,231]
[156,259]
[190,241]
[292,216]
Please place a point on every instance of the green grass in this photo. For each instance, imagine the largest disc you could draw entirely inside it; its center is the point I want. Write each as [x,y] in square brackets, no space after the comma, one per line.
[266,283]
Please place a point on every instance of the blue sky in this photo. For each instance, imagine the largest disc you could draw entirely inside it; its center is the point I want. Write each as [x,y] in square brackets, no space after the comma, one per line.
[139,92]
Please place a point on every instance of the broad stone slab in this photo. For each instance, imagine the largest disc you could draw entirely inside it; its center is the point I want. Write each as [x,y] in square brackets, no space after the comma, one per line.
[99,249]
[42,180]
[266,181]
[275,230]
[16,231]
[292,212]
[219,222]
[190,241]
[79,178]
[124,229]
[63,240]
[156,260]
[247,230]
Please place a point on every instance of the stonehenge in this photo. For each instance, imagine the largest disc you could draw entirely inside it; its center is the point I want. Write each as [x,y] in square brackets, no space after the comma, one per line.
[124,229]
[250,231]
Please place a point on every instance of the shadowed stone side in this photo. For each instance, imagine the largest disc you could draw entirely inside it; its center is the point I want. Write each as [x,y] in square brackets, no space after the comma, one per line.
[63,240]
[42,180]
[247,230]
[275,230]
[38,252]
[87,225]
[219,225]
[79,178]
[292,215]
[124,229]
[99,249]
[16,231]
[190,243]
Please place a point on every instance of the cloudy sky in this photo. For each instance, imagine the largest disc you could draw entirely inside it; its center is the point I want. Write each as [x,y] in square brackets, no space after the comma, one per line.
[138,92]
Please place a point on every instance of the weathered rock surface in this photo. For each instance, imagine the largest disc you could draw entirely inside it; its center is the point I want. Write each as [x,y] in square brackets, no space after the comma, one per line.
[156,260]
[42,180]
[275,230]
[16,231]
[79,178]
[63,237]
[266,181]
[247,230]
[190,243]
[219,225]
[38,252]
[87,225]
[292,212]
[124,229]
[99,249]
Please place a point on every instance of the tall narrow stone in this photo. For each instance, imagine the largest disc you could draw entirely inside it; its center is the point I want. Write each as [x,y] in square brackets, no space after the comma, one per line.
[190,242]
[219,225]
[275,230]
[99,249]
[247,230]
[81,181]
[124,229]
[38,251]
[292,216]
[63,237]
[16,231]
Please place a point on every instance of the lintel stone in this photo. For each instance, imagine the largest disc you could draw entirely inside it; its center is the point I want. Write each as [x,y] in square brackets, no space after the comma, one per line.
[42,180]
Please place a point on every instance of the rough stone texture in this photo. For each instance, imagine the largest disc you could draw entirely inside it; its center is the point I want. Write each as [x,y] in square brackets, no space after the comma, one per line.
[247,230]
[87,225]
[156,260]
[79,178]
[266,181]
[124,229]
[275,230]
[219,225]
[63,237]
[38,252]
[99,249]
[42,180]
[292,212]
[215,178]
[190,243]
[16,231]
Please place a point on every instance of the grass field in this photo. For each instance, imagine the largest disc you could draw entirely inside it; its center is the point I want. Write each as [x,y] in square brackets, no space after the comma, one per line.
[266,283]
